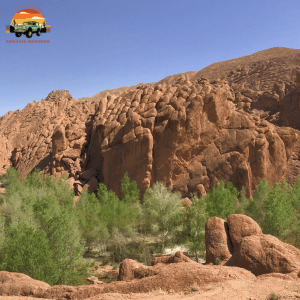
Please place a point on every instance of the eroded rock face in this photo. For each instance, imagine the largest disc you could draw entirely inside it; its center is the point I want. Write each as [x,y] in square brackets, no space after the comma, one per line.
[5,154]
[217,241]
[186,131]
[244,245]
[189,137]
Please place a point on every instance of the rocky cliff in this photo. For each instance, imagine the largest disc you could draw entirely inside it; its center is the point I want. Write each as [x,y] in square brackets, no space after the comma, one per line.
[186,131]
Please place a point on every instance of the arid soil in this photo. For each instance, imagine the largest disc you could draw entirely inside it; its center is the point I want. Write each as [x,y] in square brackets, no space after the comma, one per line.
[259,289]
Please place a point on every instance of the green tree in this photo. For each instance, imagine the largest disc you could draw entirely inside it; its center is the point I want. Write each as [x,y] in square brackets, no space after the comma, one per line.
[118,215]
[279,217]
[222,200]
[294,237]
[93,229]
[256,206]
[27,251]
[12,181]
[192,233]
[273,209]
[37,207]
[129,190]
[121,219]
[161,211]
[67,248]
[3,234]
[243,202]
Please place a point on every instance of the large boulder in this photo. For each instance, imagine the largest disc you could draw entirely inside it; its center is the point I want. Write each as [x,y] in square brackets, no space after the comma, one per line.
[241,226]
[239,242]
[263,254]
[18,284]
[131,269]
[217,240]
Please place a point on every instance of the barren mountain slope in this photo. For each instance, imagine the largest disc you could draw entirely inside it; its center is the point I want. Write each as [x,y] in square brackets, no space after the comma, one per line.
[259,71]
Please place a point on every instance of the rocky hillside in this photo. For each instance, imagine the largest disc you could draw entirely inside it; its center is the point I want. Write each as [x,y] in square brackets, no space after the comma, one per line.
[258,71]
[187,131]
[168,80]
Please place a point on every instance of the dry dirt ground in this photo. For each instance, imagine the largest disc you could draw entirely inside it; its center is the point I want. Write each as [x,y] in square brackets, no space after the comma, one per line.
[235,289]
[258,289]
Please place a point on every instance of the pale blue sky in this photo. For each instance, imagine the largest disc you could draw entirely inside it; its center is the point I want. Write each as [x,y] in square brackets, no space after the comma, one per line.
[97,45]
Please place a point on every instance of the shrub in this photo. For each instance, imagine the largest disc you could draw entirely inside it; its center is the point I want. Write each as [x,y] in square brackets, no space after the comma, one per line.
[218,261]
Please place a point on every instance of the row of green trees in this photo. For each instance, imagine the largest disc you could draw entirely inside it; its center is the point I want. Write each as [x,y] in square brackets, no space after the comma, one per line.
[43,235]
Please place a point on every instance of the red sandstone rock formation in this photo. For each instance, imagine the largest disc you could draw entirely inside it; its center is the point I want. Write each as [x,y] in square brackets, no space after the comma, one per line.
[241,243]
[5,154]
[15,284]
[176,277]
[186,132]
[171,277]
[217,241]
[258,71]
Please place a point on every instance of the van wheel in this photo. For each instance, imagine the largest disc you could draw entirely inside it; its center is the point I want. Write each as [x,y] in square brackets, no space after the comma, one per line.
[38,33]
[18,34]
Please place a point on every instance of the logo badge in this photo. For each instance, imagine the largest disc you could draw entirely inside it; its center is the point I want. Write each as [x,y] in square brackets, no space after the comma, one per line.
[28,22]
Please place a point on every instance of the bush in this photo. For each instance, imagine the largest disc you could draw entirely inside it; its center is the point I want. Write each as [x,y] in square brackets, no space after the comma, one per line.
[218,261]
[294,196]
[12,181]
